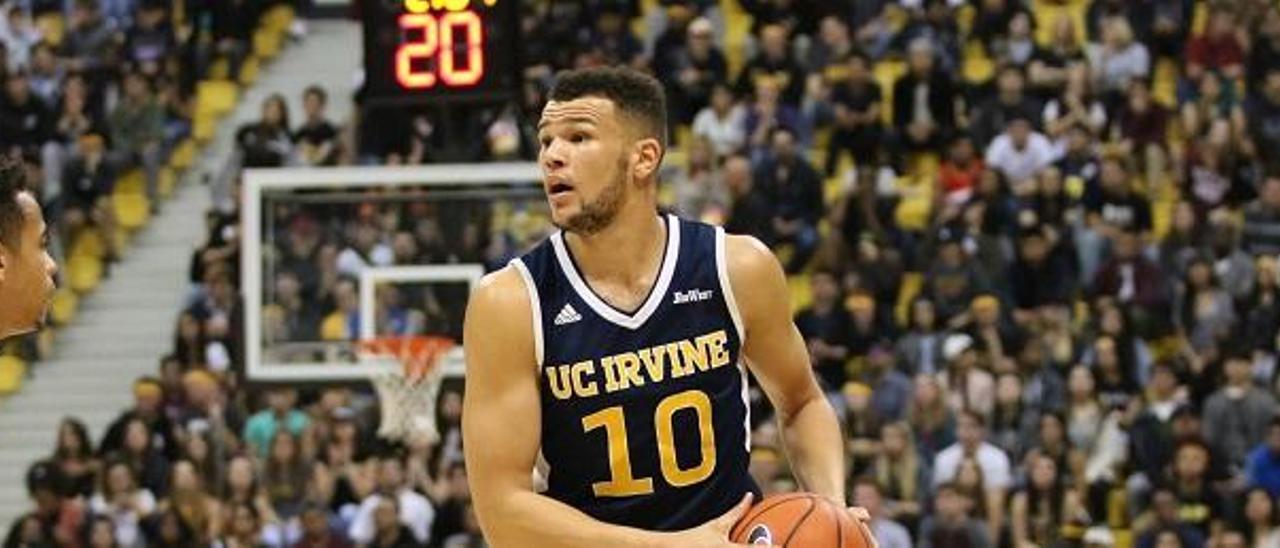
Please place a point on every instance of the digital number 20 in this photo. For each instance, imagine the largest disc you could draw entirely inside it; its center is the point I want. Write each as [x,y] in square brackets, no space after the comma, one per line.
[438,41]
[623,482]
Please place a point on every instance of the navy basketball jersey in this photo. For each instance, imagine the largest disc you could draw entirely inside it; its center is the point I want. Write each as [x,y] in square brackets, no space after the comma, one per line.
[644,414]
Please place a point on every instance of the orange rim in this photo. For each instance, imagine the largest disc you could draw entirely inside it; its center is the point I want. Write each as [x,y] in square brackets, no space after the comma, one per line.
[417,354]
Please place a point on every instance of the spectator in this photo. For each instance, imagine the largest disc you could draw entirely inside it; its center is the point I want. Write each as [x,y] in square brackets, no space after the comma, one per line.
[722,121]
[54,520]
[1141,125]
[1260,518]
[316,531]
[900,475]
[932,421]
[700,192]
[148,394]
[696,70]
[774,62]
[1199,505]
[24,120]
[888,533]
[89,45]
[137,129]
[952,281]
[951,525]
[1041,509]
[127,503]
[1262,466]
[244,527]
[1119,59]
[1165,523]
[150,41]
[1262,217]
[267,143]
[281,414]
[890,389]
[102,533]
[1218,50]
[793,188]
[856,104]
[316,138]
[1056,65]
[244,488]
[1020,152]
[825,327]
[992,465]
[74,458]
[1010,102]
[199,511]
[372,524]
[1203,310]
[923,104]
[960,172]
[285,471]
[87,183]
[1041,275]
[1236,416]
[919,351]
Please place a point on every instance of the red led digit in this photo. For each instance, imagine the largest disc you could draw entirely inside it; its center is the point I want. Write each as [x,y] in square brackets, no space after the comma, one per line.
[474,70]
[409,76]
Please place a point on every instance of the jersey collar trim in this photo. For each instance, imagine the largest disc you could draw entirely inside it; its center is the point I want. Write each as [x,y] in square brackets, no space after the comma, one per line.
[656,294]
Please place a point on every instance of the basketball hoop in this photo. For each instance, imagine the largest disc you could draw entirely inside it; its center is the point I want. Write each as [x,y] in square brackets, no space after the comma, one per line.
[405,375]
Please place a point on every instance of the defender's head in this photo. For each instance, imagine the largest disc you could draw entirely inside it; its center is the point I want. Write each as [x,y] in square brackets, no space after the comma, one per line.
[602,136]
[26,269]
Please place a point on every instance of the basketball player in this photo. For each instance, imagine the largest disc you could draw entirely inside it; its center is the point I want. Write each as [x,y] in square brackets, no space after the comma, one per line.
[26,269]
[615,350]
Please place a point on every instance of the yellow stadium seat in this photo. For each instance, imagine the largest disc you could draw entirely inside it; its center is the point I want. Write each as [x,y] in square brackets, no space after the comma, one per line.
[977,67]
[217,96]
[64,306]
[965,15]
[204,126]
[800,291]
[737,26]
[1199,17]
[249,71]
[12,371]
[266,43]
[183,155]
[84,273]
[1164,82]
[220,69]
[132,210]
[52,28]
[168,181]
[887,73]
[88,243]
[131,182]
[279,18]
[912,283]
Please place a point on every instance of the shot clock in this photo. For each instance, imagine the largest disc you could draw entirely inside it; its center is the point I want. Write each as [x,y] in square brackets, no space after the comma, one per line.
[429,51]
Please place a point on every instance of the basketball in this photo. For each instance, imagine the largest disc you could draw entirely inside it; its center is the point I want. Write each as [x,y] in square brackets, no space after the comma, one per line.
[799,520]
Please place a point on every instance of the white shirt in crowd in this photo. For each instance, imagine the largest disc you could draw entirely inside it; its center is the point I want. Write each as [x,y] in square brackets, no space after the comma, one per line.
[127,520]
[890,534]
[726,134]
[1020,164]
[415,512]
[993,462]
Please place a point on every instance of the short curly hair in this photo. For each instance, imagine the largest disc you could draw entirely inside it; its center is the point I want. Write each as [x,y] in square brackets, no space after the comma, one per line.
[13,177]
[636,94]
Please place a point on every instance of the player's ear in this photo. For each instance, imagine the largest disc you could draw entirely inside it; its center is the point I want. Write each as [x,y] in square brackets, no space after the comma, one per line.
[4,261]
[647,158]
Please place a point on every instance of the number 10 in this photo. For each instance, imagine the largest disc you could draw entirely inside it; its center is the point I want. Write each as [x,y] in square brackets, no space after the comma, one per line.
[438,39]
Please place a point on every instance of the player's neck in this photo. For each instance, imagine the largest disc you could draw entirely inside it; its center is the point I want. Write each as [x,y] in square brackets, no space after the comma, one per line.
[632,245]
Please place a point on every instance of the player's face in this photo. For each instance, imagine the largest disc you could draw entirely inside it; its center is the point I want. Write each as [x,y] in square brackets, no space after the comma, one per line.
[26,273]
[584,161]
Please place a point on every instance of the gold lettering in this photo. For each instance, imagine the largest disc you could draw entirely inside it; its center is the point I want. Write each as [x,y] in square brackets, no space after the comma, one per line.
[583,387]
[652,360]
[714,344]
[611,375]
[558,380]
[694,355]
[629,365]
[673,356]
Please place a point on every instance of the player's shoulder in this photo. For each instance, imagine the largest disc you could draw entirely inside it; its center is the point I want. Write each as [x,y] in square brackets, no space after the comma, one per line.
[501,290]
[747,257]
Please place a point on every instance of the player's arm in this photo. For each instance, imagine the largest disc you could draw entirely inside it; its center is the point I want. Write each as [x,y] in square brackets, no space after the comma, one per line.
[777,355]
[501,430]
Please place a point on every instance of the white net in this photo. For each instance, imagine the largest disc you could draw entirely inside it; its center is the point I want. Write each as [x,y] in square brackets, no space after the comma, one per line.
[408,405]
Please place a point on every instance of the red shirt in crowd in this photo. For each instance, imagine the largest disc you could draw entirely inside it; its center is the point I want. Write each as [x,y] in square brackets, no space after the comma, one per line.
[1214,52]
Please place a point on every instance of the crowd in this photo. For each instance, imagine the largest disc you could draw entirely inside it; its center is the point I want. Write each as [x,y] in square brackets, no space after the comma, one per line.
[1033,247]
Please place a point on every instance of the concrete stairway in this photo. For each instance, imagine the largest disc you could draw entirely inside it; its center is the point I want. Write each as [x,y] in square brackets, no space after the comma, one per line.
[124,327]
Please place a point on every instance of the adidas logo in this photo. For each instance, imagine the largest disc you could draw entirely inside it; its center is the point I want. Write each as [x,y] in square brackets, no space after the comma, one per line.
[691,296]
[567,315]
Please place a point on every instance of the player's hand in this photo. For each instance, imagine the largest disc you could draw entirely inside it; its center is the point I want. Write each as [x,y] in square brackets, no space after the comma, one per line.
[714,533]
[863,518]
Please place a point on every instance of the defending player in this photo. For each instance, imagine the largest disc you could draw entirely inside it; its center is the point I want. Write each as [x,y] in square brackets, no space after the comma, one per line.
[26,269]
[617,348]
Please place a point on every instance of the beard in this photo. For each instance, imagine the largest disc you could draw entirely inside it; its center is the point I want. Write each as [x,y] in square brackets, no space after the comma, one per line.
[599,213]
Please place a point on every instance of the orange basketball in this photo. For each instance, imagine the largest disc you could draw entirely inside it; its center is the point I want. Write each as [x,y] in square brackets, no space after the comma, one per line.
[799,520]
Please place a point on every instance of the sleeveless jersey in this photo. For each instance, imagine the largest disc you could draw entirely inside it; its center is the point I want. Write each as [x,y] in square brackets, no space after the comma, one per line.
[644,415]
